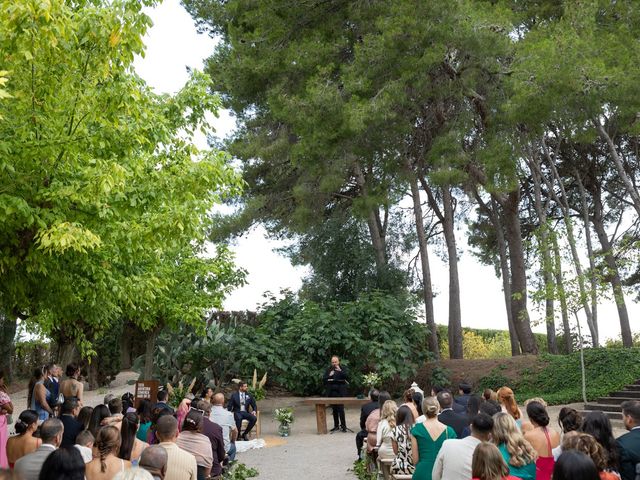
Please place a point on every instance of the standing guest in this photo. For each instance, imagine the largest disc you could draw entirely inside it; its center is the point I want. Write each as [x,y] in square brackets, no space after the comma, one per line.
[335,381]
[52,383]
[207,394]
[130,447]
[570,421]
[63,464]
[542,439]
[574,465]
[72,427]
[72,386]
[84,417]
[154,461]
[448,416]
[84,444]
[6,409]
[239,404]
[427,439]
[191,440]
[39,396]
[163,398]
[587,444]
[407,397]
[181,465]
[401,442]
[30,465]
[144,417]
[214,433]
[223,417]
[488,464]
[455,457]
[460,402]
[384,434]
[516,451]
[629,443]
[373,420]
[24,443]
[365,410]
[598,425]
[107,464]
[509,404]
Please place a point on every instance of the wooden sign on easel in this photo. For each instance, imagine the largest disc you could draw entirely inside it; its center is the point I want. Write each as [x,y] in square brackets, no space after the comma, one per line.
[146,390]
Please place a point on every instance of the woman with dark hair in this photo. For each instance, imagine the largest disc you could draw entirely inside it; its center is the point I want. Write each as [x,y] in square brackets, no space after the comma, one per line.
[193,441]
[472,409]
[207,394]
[24,442]
[407,398]
[38,396]
[542,439]
[587,444]
[158,413]
[597,424]
[6,409]
[570,421]
[84,417]
[100,412]
[401,442]
[130,447]
[575,465]
[417,398]
[72,386]
[63,464]
[144,417]
[106,465]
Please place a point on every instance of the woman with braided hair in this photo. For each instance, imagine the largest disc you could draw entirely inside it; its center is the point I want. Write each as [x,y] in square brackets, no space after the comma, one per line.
[107,464]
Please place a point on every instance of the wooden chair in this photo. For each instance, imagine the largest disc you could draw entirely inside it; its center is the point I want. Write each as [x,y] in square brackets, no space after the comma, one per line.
[384,467]
[256,430]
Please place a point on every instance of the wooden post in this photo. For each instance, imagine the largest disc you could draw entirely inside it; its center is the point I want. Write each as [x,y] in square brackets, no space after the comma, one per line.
[321,418]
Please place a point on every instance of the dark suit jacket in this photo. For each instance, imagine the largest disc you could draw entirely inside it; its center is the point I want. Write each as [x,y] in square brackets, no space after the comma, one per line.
[454,420]
[234,402]
[629,451]
[460,404]
[72,428]
[366,409]
[213,432]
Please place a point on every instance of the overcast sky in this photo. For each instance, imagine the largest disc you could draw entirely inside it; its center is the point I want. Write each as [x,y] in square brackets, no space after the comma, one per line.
[173,44]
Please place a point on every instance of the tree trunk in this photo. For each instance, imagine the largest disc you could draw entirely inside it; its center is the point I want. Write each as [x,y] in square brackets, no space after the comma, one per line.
[125,347]
[376,230]
[455,316]
[150,346]
[8,326]
[568,345]
[427,288]
[66,354]
[518,274]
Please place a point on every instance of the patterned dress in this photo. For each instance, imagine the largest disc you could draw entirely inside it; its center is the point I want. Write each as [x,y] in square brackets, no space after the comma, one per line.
[403,461]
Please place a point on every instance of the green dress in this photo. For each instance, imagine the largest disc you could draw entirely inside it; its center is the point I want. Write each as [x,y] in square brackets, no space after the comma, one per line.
[526,472]
[428,449]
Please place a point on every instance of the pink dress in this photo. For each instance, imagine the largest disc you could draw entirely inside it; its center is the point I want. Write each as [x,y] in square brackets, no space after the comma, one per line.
[4,432]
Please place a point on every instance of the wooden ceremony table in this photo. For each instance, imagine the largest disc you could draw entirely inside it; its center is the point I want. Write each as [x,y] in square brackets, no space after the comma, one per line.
[322,403]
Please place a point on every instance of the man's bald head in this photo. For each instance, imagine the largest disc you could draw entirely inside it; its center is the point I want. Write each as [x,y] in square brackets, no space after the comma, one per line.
[218,399]
[154,460]
[167,428]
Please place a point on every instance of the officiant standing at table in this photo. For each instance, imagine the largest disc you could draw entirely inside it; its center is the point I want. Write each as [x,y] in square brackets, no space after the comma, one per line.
[336,379]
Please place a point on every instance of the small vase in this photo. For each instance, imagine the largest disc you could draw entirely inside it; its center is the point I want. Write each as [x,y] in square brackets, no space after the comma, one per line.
[284,429]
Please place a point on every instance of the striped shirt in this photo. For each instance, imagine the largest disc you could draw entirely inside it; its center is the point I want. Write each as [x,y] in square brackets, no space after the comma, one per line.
[181,465]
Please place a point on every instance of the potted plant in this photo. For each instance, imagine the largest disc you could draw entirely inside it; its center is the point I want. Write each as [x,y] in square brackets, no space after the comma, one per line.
[285,417]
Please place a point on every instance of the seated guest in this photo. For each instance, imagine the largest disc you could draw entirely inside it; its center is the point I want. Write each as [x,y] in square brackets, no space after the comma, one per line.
[106,464]
[72,427]
[587,444]
[134,473]
[427,439]
[373,420]
[401,442]
[526,425]
[63,464]
[490,407]
[417,398]
[239,404]
[473,408]
[72,386]
[455,457]
[144,417]
[384,433]
[574,465]
[488,464]
[183,408]
[207,394]
[163,398]
[516,451]
[30,465]
[24,442]
[629,443]
[448,416]
[542,439]
[366,409]
[570,422]
[115,406]
[130,446]
[598,425]
[84,444]
[509,404]
[460,402]
[127,403]
[214,433]
[154,461]
[98,416]
[407,397]
[157,415]
[191,440]
[223,417]
[489,394]
[181,465]
[84,417]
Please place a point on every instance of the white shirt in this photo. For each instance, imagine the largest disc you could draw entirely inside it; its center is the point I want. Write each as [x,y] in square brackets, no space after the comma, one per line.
[224,418]
[454,459]
[242,402]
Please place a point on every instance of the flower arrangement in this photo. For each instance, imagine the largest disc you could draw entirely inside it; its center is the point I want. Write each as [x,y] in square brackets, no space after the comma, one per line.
[284,415]
[371,380]
[257,388]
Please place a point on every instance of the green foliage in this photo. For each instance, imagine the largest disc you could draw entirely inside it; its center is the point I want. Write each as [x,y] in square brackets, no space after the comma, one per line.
[362,471]
[485,343]
[440,376]
[29,355]
[374,333]
[239,471]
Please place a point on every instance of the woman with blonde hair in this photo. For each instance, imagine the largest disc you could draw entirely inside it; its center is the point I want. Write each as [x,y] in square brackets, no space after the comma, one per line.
[106,465]
[384,435]
[508,401]
[427,438]
[488,464]
[515,450]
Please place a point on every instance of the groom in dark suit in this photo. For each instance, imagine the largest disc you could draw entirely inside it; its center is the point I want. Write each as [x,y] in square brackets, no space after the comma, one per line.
[629,443]
[239,404]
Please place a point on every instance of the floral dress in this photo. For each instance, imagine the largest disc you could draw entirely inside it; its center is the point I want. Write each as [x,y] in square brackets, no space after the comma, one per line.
[403,461]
